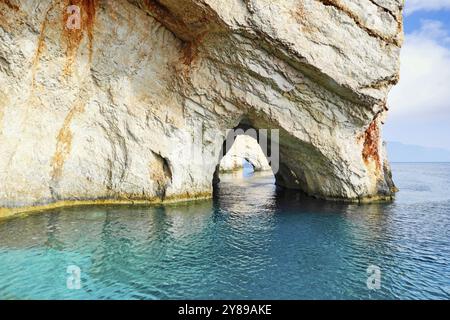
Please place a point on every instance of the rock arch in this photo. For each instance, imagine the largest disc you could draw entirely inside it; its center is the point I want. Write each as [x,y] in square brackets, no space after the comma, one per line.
[154,83]
[263,146]
[246,149]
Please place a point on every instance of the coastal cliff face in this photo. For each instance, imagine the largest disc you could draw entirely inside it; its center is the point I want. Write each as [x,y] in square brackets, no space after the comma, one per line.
[134,105]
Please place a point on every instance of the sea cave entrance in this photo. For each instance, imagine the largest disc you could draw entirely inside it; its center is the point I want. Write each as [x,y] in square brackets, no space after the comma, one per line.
[247,152]
[293,164]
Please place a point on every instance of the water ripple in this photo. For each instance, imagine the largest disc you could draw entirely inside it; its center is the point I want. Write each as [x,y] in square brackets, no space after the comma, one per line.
[253,241]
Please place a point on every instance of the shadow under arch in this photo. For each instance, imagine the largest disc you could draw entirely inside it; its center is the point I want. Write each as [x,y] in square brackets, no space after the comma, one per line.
[296,164]
[263,139]
[268,139]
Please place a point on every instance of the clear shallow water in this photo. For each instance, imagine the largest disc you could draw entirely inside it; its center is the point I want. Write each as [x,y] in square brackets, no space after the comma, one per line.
[251,242]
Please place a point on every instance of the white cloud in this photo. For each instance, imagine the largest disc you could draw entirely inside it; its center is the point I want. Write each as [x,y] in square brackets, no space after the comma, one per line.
[412,6]
[424,88]
[434,30]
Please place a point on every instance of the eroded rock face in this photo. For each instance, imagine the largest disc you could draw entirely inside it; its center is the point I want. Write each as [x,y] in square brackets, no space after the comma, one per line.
[134,105]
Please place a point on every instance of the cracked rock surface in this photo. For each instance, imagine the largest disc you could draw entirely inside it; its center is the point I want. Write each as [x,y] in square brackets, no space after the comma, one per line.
[134,105]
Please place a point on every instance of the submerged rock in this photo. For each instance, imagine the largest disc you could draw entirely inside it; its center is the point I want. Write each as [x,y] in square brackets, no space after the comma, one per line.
[134,105]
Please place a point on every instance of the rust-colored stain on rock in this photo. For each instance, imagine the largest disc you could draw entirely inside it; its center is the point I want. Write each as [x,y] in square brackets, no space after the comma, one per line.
[6,6]
[371,144]
[161,12]
[10,5]
[73,37]
[40,45]
[163,15]
[190,50]
[64,142]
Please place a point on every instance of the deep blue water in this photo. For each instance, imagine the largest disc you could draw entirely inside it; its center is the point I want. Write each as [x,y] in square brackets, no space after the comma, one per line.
[251,242]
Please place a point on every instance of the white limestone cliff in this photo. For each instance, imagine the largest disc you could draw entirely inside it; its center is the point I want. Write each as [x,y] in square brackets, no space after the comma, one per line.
[134,106]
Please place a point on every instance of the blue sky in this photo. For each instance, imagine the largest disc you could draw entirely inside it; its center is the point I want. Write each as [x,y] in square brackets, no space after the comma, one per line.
[420,103]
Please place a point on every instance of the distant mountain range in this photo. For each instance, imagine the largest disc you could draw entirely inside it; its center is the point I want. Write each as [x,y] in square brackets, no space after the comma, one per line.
[399,152]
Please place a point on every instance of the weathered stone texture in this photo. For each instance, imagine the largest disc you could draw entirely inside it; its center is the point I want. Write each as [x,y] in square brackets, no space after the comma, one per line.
[116,110]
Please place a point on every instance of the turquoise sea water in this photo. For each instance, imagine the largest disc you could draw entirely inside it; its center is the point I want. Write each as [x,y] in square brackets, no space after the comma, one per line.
[251,242]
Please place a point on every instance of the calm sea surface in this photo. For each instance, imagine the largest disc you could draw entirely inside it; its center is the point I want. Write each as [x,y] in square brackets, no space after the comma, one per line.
[251,242]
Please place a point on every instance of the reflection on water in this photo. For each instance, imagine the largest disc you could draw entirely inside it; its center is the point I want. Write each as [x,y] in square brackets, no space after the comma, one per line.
[252,241]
